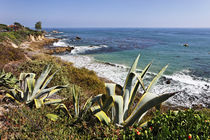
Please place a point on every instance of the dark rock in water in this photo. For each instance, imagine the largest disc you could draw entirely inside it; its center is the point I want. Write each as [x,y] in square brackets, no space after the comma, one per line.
[90,46]
[168,81]
[107,63]
[77,38]
[186,45]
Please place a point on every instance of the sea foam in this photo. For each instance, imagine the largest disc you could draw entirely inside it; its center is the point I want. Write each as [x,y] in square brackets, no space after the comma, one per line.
[193,90]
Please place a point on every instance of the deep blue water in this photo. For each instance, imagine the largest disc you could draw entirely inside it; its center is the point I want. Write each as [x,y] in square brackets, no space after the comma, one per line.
[164,46]
[189,67]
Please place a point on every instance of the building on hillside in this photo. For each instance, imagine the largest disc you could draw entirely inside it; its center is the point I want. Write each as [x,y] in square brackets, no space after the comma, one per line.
[14,27]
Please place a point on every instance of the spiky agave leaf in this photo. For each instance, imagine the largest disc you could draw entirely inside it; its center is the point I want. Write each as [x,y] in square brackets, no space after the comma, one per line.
[12,97]
[130,75]
[118,103]
[38,103]
[128,86]
[100,114]
[49,91]
[139,82]
[53,101]
[76,95]
[150,101]
[47,81]
[29,87]
[64,108]
[22,79]
[157,77]
[154,81]
[110,90]
[15,94]
[86,107]
[41,80]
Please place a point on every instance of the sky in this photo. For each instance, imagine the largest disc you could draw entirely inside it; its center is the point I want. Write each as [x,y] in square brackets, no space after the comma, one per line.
[107,13]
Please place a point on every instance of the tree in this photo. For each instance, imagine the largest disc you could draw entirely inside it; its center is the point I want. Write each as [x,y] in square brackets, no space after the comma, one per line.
[38,25]
[18,25]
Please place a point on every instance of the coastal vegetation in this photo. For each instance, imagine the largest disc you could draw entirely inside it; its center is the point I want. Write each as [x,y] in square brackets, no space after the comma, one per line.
[16,33]
[85,101]
[38,25]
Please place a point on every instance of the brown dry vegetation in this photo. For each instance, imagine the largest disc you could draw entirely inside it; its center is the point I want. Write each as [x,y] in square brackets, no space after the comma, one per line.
[10,54]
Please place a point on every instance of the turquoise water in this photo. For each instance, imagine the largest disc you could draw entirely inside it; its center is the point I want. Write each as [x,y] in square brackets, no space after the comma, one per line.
[164,46]
[189,67]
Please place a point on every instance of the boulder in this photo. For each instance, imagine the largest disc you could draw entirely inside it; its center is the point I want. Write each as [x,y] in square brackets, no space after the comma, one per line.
[186,45]
[77,38]
[54,32]
[59,50]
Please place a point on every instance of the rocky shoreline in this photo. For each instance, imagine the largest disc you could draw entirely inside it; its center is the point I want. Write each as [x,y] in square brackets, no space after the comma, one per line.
[41,45]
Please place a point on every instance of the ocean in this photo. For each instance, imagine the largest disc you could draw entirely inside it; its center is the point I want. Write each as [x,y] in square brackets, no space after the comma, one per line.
[111,51]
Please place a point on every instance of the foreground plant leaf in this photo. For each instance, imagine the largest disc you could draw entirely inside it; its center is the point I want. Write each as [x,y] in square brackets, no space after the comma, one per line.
[52,117]
[101,115]
[34,91]
[121,104]
[151,102]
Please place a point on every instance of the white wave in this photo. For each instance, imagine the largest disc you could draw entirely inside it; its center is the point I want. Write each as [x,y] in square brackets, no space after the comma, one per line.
[194,90]
[83,49]
[185,77]
[113,73]
[61,43]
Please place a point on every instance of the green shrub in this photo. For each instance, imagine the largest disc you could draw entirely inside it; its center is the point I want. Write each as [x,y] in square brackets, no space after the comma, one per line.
[7,80]
[172,125]
[4,27]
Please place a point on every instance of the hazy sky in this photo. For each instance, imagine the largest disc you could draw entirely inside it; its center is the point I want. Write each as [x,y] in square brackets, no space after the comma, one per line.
[107,13]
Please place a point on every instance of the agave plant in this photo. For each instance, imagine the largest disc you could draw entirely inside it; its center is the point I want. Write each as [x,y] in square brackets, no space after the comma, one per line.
[121,105]
[7,80]
[79,113]
[35,91]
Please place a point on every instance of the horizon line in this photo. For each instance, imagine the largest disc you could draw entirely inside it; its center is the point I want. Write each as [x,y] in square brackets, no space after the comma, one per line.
[136,27]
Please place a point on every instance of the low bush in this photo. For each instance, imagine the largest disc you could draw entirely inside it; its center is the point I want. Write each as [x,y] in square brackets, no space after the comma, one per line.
[187,124]
[4,27]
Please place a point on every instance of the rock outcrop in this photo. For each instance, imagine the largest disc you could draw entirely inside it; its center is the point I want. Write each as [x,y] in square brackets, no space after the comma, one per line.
[59,50]
[36,38]
[78,38]
[54,32]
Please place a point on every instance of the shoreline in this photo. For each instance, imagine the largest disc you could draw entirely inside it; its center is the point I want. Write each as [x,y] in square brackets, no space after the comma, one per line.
[117,74]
